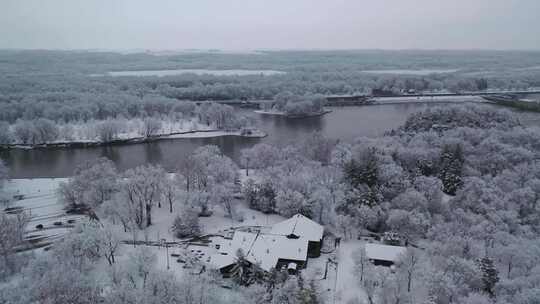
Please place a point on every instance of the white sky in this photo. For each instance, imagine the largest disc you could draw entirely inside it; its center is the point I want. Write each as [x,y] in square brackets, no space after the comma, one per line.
[270,24]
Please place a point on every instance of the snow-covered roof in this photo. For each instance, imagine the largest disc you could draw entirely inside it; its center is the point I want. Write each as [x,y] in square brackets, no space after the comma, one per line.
[299,226]
[263,249]
[220,260]
[384,252]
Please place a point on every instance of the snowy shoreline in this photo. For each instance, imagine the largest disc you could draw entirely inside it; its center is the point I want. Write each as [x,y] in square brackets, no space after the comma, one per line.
[426,99]
[280,113]
[136,140]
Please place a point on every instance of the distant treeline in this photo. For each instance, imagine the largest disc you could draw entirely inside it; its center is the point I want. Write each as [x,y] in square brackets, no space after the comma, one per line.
[58,85]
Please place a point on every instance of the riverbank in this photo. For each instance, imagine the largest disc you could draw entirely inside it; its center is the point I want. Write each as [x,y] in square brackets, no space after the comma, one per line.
[248,133]
[426,99]
[344,124]
[281,113]
[524,105]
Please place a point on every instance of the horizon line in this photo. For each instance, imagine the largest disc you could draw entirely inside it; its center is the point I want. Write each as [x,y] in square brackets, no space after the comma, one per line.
[224,50]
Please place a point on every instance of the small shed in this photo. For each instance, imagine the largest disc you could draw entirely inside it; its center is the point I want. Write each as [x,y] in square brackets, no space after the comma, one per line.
[300,226]
[384,255]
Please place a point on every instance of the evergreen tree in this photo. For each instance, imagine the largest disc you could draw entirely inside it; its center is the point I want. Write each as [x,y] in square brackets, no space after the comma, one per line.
[362,171]
[490,275]
[451,167]
[260,196]
[244,273]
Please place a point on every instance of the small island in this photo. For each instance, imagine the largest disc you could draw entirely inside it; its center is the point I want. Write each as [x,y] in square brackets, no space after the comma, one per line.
[292,105]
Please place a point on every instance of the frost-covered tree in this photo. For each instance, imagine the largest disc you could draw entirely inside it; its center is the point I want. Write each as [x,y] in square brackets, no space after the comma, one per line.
[110,244]
[151,126]
[5,133]
[408,267]
[410,200]
[431,189]
[38,131]
[81,247]
[48,280]
[260,156]
[186,224]
[345,226]
[93,183]
[23,132]
[12,230]
[45,130]
[142,188]
[317,147]
[223,195]
[413,225]
[374,282]
[291,202]
[108,130]
[141,263]
[295,291]
[171,190]
[3,173]
[201,200]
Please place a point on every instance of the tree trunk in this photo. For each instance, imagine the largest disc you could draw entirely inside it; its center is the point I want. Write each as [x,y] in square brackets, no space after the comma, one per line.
[148,215]
[320,214]
[140,217]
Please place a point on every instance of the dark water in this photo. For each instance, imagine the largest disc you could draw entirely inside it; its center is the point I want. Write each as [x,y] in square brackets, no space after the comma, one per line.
[344,123]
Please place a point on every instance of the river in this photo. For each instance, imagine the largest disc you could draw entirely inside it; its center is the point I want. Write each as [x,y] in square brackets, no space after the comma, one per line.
[343,123]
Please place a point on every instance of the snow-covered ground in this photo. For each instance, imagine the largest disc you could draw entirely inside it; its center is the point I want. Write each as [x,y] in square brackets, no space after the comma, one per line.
[41,201]
[133,129]
[281,113]
[271,112]
[426,99]
[207,134]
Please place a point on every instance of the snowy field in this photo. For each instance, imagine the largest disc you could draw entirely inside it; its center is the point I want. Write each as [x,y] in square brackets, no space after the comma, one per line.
[39,199]
[161,73]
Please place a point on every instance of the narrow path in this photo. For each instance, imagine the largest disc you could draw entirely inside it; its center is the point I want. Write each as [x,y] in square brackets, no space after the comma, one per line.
[347,286]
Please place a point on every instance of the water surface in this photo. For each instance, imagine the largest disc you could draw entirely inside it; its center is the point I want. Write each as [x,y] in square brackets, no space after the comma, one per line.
[161,73]
[343,123]
[422,72]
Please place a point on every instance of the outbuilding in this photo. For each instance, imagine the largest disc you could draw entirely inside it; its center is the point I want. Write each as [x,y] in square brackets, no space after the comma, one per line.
[384,255]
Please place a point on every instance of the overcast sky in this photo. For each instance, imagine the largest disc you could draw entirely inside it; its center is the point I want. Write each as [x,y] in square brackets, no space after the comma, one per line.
[270,24]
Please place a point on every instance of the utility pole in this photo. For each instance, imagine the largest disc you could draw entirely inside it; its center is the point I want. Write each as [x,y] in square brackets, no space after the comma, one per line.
[164,241]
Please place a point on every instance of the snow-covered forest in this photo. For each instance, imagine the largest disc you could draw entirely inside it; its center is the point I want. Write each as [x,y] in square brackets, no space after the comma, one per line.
[62,96]
[34,122]
[459,186]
